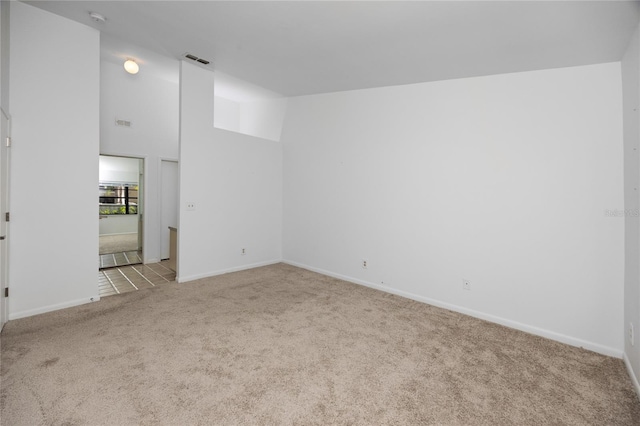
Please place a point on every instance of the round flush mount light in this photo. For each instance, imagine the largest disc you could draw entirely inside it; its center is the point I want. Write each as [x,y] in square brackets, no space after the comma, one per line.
[97,17]
[131,67]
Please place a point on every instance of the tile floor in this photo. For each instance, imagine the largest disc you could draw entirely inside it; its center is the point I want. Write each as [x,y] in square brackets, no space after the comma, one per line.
[119,259]
[134,277]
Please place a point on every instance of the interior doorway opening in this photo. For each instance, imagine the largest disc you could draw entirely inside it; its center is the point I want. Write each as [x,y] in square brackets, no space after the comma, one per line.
[169,176]
[120,211]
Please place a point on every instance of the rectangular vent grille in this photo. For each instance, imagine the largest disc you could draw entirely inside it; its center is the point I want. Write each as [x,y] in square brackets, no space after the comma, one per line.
[195,58]
[123,123]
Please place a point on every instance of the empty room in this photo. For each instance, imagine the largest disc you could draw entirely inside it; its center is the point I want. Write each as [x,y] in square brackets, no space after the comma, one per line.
[367,212]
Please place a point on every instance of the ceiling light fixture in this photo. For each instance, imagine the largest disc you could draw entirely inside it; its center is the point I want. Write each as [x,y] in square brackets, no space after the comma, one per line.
[97,17]
[131,67]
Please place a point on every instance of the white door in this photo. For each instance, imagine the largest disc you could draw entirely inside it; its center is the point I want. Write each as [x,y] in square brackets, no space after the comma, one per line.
[4,207]
[168,203]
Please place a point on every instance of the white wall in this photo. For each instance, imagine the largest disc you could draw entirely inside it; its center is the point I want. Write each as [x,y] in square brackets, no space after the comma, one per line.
[501,180]
[119,224]
[4,49]
[631,105]
[4,133]
[151,103]
[235,182]
[55,143]
[119,169]
[259,118]
[169,182]
[263,118]
[227,114]
[243,107]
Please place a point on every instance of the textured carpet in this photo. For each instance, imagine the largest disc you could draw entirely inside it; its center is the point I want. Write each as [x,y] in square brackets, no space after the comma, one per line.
[282,345]
[118,243]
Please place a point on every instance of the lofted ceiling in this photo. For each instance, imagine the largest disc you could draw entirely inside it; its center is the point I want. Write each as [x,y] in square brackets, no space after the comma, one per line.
[306,47]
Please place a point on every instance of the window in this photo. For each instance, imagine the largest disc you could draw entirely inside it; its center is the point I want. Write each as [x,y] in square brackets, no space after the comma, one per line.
[118,199]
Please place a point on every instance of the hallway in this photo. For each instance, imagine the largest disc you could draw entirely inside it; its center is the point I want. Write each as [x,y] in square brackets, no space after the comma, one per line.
[134,277]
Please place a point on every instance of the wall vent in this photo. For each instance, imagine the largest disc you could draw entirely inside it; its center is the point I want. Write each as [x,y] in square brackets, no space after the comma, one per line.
[197,59]
[123,123]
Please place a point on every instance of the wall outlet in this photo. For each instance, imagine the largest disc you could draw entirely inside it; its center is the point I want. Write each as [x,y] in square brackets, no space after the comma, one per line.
[243,251]
[631,334]
[191,206]
[364,263]
[466,284]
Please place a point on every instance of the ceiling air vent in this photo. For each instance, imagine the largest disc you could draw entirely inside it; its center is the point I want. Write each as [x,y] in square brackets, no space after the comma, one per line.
[195,58]
[123,123]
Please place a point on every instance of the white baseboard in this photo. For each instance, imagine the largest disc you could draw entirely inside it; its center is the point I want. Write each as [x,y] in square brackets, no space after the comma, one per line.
[50,308]
[152,260]
[188,278]
[120,233]
[634,378]
[558,337]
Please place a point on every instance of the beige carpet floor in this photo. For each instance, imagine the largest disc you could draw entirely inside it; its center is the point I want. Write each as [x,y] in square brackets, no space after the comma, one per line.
[282,345]
[118,243]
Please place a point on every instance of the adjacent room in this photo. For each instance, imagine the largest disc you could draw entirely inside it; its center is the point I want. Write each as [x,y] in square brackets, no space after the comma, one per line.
[331,212]
[119,210]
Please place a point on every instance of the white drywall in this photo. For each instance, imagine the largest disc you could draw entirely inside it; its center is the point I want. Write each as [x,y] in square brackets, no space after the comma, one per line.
[55,131]
[263,118]
[235,182]
[501,180]
[4,62]
[119,224]
[151,103]
[243,107]
[4,153]
[119,169]
[631,106]
[227,114]
[169,190]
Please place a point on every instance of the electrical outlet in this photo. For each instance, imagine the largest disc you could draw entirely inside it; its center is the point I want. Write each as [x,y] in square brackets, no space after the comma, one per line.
[466,284]
[243,251]
[631,335]
[191,206]
[364,263]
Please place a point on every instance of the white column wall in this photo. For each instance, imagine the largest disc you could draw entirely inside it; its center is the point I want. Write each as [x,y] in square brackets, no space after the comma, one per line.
[235,183]
[54,161]
[631,105]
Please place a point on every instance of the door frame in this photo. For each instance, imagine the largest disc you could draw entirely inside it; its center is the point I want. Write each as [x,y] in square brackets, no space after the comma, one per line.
[144,194]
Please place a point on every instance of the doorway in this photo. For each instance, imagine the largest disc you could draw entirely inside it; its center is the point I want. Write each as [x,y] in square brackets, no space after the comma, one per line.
[168,204]
[120,211]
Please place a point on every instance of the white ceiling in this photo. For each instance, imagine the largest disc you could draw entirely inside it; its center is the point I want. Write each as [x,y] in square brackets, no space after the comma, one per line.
[305,47]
